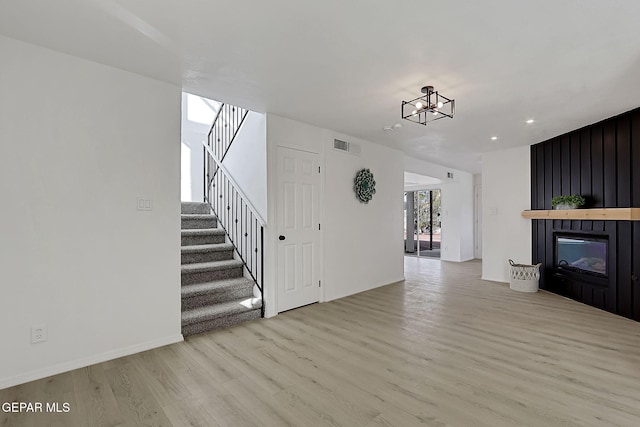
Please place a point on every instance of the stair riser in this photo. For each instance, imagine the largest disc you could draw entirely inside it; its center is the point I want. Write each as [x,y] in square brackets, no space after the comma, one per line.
[209,276]
[198,223]
[195,208]
[207,239]
[193,258]
[206,257]
[219,323]
[216,298]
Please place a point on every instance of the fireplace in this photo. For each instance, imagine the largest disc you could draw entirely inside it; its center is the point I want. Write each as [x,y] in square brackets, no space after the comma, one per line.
[583,254]
[583,268]
[598,161]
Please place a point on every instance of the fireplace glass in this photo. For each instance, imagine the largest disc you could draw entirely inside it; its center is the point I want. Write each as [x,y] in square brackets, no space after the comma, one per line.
[583,254]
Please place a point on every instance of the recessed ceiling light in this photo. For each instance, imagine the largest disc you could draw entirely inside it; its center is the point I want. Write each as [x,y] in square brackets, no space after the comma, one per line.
[493,138]
[530,121]
[392,127]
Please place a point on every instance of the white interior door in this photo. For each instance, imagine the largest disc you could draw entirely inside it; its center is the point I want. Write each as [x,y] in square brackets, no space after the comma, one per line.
[298,183]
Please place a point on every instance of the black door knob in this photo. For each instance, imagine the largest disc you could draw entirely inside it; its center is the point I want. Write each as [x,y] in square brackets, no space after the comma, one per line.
[281,237]
[634,277]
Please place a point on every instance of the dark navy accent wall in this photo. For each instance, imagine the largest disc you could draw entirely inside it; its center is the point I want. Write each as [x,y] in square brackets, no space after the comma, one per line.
[602,163]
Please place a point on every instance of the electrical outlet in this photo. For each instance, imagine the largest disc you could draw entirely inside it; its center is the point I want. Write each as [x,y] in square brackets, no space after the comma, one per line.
[38,333]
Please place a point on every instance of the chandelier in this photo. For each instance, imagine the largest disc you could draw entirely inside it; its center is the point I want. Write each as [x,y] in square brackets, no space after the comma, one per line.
[428,107]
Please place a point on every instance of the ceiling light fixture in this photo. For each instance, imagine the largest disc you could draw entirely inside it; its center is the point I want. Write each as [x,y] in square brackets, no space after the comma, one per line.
[431,102]
[493,138]
[530,121]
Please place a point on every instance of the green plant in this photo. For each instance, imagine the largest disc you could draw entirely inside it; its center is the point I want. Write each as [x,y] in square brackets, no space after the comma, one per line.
[568,200]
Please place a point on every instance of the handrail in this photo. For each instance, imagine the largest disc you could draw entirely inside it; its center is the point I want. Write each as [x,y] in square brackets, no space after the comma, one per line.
[239,219]
[217,115]
[234,136]
[225,128]
[234,183]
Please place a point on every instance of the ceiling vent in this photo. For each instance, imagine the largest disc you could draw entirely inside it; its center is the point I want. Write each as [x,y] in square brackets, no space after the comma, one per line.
[349,147]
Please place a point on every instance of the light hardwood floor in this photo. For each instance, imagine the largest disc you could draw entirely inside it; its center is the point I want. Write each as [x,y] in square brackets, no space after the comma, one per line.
[441,348]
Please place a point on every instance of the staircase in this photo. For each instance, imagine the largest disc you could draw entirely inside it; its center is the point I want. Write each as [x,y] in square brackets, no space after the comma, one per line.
[214,292]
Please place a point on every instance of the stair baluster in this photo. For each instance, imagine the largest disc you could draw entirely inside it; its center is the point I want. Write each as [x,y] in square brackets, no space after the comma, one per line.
[235,214]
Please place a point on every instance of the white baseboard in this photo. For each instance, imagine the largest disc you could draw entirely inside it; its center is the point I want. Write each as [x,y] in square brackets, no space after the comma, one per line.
[493,280]
[358,291]
[86,361]
[456,260]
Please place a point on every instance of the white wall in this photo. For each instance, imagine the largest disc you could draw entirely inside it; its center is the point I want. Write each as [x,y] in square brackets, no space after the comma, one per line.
[246,161]
[362,243]
[456,209]
[506,192]
[80,142]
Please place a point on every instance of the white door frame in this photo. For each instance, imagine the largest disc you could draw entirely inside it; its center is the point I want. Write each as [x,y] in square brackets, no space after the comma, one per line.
[298,227]
[477,221]
[271,232]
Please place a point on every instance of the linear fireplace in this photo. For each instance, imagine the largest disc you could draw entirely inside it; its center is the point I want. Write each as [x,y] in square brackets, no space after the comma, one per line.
[585,254]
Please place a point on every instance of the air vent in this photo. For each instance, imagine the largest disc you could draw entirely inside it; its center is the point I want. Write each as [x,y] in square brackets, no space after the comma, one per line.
[349,147]
[341,145]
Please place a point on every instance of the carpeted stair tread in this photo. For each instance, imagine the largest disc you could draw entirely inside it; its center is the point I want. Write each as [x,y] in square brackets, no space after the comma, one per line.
[209,266]
[203,231]
[210,293]
[213,247]
[197,216]
[205,251]
[202,236]
[220,322]
[216,286]
[202,314]
[198,221]
[195,208]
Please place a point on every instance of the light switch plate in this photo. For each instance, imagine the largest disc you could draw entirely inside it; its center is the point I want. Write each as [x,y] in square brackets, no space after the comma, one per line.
[144,204]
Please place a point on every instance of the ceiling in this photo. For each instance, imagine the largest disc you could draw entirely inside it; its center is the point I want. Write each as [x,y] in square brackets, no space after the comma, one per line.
[414,181]
[347,65]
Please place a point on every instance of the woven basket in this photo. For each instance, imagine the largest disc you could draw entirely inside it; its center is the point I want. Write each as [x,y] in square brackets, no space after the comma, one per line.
[524,277]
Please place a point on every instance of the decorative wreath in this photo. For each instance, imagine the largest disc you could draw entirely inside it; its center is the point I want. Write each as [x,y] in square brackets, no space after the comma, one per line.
[364,185]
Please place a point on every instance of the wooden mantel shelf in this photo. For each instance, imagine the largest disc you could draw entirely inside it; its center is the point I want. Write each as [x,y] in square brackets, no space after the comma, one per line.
[599,214]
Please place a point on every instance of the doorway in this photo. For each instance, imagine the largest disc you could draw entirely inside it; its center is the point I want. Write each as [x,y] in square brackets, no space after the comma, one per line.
[422,226]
